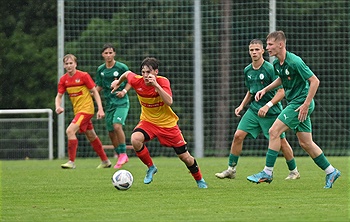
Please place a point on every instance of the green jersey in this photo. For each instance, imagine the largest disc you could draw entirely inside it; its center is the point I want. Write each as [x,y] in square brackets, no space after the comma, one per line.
[256,80]
[294,74]
[104,77]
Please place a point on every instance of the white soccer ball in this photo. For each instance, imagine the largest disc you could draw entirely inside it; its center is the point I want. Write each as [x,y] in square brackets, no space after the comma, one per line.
[122,179]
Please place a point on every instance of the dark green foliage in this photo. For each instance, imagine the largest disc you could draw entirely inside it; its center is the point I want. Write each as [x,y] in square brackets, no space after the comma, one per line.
[28,54]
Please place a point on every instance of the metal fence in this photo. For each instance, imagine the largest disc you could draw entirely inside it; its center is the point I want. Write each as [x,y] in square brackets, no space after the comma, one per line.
[318,31]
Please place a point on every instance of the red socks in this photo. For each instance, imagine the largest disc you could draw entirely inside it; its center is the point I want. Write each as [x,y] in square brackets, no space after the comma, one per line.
[72,149]
[97,145]
[144,156]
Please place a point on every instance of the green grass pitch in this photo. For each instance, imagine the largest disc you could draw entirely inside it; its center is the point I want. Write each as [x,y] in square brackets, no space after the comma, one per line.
[39,190]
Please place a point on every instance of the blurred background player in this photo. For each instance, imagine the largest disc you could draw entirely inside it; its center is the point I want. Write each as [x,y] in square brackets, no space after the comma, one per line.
[300,85]
[79,86]
[116,104]
[261,114]
[157,119]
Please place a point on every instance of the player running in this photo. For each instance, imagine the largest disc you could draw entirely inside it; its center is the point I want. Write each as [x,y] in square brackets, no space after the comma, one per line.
[157,119]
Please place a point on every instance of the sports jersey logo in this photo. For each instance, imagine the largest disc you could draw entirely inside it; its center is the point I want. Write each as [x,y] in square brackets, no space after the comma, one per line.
[102,74]
[77,81]
[287,73]
[76,94]
[261,76]
[249,76]
[116,74]
[152,105]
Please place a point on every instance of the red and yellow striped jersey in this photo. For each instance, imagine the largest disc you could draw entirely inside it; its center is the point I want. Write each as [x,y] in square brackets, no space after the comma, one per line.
[153,109]
[78,88]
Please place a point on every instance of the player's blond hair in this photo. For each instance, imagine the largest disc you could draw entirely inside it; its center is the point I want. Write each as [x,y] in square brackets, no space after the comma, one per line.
[277,35]
[69,56]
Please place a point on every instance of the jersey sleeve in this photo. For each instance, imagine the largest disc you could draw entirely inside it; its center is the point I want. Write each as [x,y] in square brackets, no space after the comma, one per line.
[303,69]
[88,81]
[165,84]
[61,88]
[98,77]
[274,75]
[131,79]
[124,67]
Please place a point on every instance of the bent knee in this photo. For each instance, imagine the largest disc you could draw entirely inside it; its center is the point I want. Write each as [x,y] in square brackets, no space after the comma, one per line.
[239,135]
[117,127]
[274,134]
[137,139]
[306,144]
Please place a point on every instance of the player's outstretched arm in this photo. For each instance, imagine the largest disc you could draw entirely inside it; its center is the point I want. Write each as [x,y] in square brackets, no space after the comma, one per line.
[122,93]
[270,87]
[116,83]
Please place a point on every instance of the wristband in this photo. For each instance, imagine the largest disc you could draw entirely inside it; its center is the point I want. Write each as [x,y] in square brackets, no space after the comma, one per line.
[124,90]
[269,104]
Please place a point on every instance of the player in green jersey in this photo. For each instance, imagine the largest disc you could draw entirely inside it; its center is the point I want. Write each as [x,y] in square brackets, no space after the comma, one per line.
[116,104]
[300,85]
[261,114]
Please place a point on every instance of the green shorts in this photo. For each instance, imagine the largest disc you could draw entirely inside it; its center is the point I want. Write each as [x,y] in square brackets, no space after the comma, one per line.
[117,115]
[252,124]
[289,117]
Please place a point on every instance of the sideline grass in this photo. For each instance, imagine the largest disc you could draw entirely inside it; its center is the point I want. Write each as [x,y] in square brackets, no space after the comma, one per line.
[38,190]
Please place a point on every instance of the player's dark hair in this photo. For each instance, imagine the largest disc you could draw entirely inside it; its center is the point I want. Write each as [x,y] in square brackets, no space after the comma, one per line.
[107,46]
[150,62]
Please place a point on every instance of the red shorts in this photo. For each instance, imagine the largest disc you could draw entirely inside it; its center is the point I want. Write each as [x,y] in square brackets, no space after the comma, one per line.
[84,121]
[169,137]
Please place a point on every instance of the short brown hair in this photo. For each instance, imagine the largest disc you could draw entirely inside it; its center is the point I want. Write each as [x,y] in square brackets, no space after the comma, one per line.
[150,62]
[256,41]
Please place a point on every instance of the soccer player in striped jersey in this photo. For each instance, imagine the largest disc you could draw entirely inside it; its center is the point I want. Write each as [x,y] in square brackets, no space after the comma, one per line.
[300,85]
[79,86]
[157,119]
[260,115]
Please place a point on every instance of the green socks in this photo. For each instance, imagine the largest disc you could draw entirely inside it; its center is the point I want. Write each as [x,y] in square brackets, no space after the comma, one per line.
[321,161]
[271,157]
[120,149]
[232,160]
[291,164]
